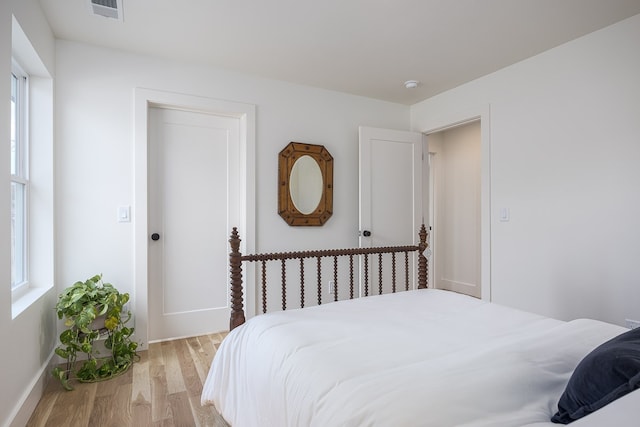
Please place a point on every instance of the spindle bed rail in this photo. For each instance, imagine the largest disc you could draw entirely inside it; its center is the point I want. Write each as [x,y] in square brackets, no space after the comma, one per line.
[236,258]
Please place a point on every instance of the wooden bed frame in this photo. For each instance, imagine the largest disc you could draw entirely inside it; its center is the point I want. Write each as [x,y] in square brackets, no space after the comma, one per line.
[236,259]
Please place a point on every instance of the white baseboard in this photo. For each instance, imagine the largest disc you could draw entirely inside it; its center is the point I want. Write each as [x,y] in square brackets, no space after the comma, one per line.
[32,395]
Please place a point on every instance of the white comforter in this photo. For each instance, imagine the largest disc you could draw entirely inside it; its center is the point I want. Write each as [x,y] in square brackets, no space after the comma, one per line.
[417,358]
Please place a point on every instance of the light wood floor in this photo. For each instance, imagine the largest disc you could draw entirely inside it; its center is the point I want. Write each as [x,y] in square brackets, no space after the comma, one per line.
[162,389]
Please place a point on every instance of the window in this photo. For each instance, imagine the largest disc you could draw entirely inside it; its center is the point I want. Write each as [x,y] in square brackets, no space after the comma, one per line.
[19,179]
[30,174]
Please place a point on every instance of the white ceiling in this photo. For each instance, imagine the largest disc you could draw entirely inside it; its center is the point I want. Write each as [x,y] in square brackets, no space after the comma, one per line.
[363,47]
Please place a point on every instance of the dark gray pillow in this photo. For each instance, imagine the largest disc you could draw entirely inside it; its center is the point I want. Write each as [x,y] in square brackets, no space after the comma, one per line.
[610,371]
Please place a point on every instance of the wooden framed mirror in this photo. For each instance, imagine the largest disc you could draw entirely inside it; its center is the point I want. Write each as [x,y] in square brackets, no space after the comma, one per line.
[305,184]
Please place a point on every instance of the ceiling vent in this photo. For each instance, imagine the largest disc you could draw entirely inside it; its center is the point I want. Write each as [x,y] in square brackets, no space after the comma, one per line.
[107,8]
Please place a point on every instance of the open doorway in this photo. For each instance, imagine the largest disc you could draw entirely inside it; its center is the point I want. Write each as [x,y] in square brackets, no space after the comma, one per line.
[455,161]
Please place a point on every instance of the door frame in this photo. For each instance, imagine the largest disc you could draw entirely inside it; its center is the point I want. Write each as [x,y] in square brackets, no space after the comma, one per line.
[144,99]
[452,119]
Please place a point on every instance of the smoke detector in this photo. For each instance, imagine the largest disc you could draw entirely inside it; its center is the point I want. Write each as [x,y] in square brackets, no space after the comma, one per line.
[411,84]
[107,8]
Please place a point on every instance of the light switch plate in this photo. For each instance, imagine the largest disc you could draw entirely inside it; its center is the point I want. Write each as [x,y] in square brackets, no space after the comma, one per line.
[504,214]
[124,214]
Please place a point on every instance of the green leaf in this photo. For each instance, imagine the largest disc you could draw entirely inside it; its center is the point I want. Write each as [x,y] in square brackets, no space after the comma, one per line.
[97,278]
[85,317]
[62,352]
[103,310]
[68,336]
[107,368]
[86,347]
[111,323]
[76,296]
[89,370]
[61,375]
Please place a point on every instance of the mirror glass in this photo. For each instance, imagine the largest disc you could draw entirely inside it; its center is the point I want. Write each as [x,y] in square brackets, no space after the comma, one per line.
[305,184]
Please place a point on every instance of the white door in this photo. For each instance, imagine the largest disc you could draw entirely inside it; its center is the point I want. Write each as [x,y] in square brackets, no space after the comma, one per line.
[193,190]
[391,192]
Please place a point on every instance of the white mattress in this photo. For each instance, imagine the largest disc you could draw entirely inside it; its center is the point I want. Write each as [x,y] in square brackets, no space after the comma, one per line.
[417,358]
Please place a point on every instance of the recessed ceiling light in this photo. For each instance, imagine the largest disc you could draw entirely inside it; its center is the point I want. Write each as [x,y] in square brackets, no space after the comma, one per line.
[411,84]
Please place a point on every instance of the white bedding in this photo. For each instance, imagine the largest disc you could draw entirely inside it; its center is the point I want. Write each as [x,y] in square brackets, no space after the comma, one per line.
[417,358]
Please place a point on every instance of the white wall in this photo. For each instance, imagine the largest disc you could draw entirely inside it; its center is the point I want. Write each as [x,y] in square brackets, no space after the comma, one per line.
[29,338]
[95,147]
[564,155]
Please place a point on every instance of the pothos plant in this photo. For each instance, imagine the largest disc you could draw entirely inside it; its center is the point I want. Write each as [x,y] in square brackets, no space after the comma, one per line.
[83,306]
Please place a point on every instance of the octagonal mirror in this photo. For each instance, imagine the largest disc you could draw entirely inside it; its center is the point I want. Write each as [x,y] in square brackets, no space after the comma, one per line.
[305,187]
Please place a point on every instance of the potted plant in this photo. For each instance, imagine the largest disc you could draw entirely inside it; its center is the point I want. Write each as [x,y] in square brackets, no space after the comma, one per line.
[93,311]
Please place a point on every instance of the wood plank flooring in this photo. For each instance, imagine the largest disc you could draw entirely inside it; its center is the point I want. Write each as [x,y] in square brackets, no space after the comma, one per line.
[161,389]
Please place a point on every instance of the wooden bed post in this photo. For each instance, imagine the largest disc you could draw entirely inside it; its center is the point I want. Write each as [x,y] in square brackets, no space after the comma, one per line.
[422,260]
[235,263]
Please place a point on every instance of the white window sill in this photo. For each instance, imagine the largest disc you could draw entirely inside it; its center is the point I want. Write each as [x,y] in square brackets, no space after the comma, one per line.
[28,297]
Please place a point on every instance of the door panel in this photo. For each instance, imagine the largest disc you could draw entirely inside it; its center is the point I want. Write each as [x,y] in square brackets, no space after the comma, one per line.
[192,174]
[391,196]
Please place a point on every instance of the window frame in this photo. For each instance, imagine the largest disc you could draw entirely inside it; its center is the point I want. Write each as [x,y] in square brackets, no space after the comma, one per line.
[20,177]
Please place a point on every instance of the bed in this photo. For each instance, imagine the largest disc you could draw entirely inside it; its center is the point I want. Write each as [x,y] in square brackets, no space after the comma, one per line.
[419,357]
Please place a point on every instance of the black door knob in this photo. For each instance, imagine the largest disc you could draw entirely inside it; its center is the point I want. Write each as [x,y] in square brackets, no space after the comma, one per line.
[155,236]
[366,233]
